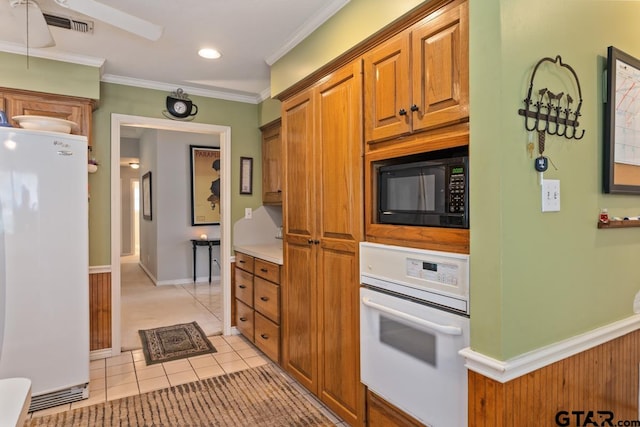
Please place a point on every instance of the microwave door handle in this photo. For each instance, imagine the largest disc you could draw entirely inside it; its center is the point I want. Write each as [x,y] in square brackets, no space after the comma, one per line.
[445,329]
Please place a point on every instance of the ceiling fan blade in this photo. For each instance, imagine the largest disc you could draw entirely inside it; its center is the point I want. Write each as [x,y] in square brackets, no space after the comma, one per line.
[114,17]
[29,16]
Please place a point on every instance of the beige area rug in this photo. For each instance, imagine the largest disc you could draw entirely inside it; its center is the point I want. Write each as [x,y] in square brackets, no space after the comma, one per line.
[259,396]
[174,342]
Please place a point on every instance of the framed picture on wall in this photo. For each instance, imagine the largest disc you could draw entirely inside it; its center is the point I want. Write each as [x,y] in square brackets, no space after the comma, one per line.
[622,124]
[205,185]
[146,196]
[246,175]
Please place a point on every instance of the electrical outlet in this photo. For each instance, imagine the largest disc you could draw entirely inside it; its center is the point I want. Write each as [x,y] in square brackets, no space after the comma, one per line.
[248,213]
[550,195]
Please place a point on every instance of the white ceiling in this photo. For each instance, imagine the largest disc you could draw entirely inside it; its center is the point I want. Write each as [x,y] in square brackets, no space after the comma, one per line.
[250,34]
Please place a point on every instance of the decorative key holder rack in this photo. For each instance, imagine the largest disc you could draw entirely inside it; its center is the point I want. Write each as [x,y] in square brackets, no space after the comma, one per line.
[550,113]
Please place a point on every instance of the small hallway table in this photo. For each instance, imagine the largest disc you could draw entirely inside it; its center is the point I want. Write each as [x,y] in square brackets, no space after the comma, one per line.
[202,242]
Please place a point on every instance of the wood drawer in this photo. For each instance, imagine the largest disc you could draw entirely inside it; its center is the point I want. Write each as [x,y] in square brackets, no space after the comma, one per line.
[266,299]
[267,270]
[244,287]
[267,337]
[244,319]
[244,262]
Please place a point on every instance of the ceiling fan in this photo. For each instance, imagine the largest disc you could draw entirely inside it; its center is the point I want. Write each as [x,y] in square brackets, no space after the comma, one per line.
[38,34]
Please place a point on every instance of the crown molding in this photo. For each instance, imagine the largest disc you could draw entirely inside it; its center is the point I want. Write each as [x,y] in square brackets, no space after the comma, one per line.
[56,56]
[149,84]
[307,28]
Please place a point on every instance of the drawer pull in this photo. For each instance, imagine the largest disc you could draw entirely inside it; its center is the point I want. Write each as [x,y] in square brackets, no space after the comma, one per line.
[241,286]
[241,261]
[264,270]
[265,299]
[264,336]
[243,319]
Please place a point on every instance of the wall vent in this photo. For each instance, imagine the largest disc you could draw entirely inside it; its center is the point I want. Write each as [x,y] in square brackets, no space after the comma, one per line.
[68,23]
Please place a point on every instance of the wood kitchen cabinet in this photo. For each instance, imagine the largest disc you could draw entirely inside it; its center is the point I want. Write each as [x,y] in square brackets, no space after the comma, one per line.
[271,163]
[418,79]
[323,225]
[22,103]
[381,413]
[257,301]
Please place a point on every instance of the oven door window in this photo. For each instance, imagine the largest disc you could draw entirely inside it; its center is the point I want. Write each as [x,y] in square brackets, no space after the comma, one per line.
[409,340]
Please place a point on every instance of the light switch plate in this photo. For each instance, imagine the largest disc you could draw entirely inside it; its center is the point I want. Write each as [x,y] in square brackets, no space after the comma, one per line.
[248,213]
[550,195]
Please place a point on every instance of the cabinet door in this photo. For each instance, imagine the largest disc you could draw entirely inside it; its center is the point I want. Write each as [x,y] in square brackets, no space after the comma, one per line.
[441,69]
[51,106]
[272,165]
[386,94]
[299,289]
[340,210]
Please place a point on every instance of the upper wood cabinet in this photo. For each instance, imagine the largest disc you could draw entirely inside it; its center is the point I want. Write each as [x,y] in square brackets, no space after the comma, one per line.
[323,225]
[418,79]
[271,163]
[77,110]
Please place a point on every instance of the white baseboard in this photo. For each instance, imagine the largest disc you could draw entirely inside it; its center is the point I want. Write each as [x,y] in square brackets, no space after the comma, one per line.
[101,354]
[503,371]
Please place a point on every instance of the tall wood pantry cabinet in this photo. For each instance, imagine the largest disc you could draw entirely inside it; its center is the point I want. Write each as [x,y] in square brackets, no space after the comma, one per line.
[323,225]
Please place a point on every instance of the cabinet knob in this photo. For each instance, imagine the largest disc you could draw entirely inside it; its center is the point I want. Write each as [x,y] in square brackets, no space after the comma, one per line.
[243,319]
[264,336]
[317,242]
[241,286]
[310,241]
[402,112]
[414,107]
[265,299]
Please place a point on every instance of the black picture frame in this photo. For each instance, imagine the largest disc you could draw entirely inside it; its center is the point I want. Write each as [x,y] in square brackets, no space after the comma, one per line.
[621,156]
[246,175]
[147,210]
[205,185]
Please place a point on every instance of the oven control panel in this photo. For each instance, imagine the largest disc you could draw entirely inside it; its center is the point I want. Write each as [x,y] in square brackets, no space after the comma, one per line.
[433,276]
[441,272]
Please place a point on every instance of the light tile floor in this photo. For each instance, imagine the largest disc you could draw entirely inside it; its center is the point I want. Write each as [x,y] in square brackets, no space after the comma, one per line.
[145,306]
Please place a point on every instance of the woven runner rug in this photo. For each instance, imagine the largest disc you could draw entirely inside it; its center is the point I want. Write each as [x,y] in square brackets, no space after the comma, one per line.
[174,342]
[259,396]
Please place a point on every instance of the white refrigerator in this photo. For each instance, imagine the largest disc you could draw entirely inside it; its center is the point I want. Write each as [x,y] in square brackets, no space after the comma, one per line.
[44,277]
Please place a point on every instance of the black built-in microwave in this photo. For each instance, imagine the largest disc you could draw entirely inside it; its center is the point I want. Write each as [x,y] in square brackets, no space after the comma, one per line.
[432,192]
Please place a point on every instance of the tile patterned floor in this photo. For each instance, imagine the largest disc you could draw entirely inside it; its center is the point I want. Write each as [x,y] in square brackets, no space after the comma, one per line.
[144,306]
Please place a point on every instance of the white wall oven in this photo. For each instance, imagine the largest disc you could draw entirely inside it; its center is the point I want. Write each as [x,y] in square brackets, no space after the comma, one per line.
[414,319]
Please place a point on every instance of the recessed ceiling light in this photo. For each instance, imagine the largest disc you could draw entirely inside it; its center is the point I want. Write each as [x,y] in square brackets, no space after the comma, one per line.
[209,53]
[134,165]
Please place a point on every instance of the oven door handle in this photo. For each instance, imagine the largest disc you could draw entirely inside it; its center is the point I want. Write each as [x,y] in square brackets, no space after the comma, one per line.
[445,329]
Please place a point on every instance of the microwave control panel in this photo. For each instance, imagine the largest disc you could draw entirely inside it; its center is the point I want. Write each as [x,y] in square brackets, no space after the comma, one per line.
[457,189]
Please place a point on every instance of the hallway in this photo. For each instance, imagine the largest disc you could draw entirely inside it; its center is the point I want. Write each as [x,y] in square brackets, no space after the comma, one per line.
[146,306]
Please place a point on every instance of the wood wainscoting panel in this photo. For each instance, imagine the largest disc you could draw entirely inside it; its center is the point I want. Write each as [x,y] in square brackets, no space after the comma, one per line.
[603,380]
[100,311]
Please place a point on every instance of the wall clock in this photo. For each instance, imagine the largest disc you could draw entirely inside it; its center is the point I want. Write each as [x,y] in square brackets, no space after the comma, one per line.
[179,106]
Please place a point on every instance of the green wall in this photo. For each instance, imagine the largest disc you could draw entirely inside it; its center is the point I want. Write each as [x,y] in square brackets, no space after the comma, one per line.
[542,277]
[245,142]
[269,110]
[43,75]
[536,278]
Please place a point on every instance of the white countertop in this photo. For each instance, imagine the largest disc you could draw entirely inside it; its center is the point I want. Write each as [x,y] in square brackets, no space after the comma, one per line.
[268,252]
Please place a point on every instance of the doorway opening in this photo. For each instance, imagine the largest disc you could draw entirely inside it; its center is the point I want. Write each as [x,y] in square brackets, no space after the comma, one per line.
[223,133]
